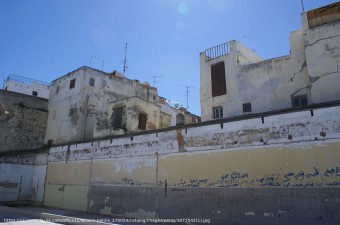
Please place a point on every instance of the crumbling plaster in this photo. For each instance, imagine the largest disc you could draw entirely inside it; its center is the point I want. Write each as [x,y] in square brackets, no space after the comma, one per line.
[311,69]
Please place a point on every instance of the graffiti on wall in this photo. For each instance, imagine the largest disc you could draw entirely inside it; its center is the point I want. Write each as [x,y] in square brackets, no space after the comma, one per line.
[315,178]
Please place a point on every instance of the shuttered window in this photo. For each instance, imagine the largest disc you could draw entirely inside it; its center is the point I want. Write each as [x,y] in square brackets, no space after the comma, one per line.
[218,85]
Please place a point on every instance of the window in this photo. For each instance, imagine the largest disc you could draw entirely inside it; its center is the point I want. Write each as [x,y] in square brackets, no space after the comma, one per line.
[218,85]
[142,117]
[57,90]
[34,93]
[299,101]
[218,112]
[91,82]
[180,119]
[247,107]
[71,112]
[72,83]
[117,117]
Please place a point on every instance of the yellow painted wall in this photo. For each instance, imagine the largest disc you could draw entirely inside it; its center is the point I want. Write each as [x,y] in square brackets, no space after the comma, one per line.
[137,170]
[68,173]
[67,184]
[258,167]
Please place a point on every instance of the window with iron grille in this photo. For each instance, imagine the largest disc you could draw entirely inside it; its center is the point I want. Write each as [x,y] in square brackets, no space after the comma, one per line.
[218,84]
[247,107]
[218,112]
[142,117]
[72,83]
[299,101]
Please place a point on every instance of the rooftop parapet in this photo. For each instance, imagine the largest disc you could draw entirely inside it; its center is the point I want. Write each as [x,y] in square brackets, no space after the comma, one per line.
[217,51]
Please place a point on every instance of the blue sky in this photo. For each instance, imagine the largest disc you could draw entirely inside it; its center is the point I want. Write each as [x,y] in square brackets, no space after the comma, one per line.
[45,39]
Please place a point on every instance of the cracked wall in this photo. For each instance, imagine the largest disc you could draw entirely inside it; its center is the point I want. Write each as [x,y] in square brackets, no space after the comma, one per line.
[323,61]
[311,69]
[266,171]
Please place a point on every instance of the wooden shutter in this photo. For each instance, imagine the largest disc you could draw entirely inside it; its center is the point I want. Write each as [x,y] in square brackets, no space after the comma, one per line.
[218,85]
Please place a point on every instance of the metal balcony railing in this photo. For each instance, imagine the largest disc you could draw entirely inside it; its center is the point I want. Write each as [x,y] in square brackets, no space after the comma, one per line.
[25,80]
[217,51]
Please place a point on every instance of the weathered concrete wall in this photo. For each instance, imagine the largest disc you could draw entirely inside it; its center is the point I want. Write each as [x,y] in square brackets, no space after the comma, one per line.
[23,121]
[84,111]
[22,177]
[253,171]
[311,71]
[323,61]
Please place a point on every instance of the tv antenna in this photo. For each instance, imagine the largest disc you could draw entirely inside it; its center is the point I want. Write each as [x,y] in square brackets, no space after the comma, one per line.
[125,61]
[154,80]
[187,93]
[303,7]
[93,56]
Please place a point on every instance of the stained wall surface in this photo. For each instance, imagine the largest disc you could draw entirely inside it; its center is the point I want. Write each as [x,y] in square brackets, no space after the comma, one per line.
[22,177]
[23,121]
[310,71]
[281,169]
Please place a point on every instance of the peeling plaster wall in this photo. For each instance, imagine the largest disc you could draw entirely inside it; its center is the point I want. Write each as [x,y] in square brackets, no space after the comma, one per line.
[323,61]
[275,81]
[22,177]
[23,121]
[311,69]
[84,112]
[266,172]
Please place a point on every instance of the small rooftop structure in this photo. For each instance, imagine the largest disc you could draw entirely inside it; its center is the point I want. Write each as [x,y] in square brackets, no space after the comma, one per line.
[27,86]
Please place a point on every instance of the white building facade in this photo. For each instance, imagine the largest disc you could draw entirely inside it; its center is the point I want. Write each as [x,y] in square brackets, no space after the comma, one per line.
[89,103]
[236,81]
[27,86]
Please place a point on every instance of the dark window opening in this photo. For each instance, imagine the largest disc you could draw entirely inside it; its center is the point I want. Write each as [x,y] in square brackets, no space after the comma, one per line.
[247,107]
[72,83]
[218,112]
[299,101]
[218,84]
[180,119]
[91,82]
[117,117]
[71,112]
[142,121]
[57,90]
[34,93]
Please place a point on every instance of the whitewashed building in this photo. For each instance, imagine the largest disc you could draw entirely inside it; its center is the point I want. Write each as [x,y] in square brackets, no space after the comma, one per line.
[88,103]
[27,86]
[237,81]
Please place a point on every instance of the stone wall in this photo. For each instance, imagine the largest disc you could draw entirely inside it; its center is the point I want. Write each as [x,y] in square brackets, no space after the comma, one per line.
[276,169]
[23,121]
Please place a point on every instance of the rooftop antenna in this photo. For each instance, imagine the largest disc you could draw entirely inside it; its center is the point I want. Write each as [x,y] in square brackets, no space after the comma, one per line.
[303,7]
[93,56]
[154,80]
[187,87]
[125,61]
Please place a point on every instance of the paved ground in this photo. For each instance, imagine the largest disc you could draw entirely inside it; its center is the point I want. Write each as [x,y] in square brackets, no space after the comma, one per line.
[51,216]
